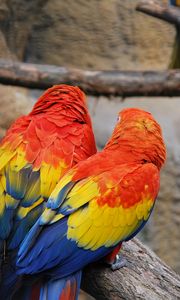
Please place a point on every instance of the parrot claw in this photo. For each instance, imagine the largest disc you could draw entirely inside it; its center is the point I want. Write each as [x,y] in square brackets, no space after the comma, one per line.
[119,263]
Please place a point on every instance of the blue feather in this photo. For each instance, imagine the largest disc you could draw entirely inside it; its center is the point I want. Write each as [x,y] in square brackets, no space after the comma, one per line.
[6,223]
[55,203]
[9,279]
[60,256]
[19,184]
[53,289]
[16,182]
[29,240]
[33,183]
[20,229]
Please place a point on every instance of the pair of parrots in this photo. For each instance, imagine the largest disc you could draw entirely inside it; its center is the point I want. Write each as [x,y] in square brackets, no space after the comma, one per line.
[62,205]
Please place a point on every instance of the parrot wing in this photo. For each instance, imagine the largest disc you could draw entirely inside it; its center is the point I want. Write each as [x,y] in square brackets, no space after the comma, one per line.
[84,220]
[34,154]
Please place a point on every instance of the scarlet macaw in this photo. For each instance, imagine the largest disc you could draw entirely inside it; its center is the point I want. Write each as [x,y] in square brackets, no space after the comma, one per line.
[100,203]
[36,152]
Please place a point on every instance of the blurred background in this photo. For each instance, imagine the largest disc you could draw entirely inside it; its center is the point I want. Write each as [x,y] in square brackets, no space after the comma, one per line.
[100,35]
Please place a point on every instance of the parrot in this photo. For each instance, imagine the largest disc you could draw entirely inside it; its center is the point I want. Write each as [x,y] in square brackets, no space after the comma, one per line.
[97,205]
[37,150]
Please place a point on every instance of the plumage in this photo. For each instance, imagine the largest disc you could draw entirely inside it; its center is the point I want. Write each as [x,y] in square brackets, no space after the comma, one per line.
[100,203]
[36,152]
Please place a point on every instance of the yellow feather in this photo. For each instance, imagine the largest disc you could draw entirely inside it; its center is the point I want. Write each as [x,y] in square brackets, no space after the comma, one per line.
[78,218]
[3,181]
[97,222]
[130,214]
[98,226]
[139,211]
[34,191]
[98,213]
[71,233]
[112,238]
[78,232]
[10,201]
[48,215]
[95,242]
[64,180]
[92,207]
[107,218]
[62,164]
[126,232]
[57,218]
[84,196]
[147,205]
[88,239]
[116,219]
[18,162]
[134,226]
[5,157]
[49,177]
[81,187]
[122,218]
[105,235]
[23,211]
[2,187]
[2,204]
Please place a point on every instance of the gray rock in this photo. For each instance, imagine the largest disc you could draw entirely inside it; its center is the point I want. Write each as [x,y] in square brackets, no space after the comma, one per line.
[86,34]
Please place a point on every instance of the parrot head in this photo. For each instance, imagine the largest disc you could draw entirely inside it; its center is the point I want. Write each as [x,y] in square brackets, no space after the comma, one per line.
[139,135]
[63,100]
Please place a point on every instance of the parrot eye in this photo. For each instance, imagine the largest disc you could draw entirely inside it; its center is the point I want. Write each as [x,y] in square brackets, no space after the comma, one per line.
[118,119]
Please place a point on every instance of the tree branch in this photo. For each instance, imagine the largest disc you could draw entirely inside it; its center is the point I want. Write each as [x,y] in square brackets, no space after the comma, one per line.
[146,277]
[122,83]
[164,12]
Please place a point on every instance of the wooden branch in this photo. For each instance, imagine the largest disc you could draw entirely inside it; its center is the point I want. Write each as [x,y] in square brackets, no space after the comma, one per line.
[122,83]
[146,277]
[164,12]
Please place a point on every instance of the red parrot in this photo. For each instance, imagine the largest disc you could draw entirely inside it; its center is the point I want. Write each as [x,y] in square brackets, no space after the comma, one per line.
[36,152]
[101,202]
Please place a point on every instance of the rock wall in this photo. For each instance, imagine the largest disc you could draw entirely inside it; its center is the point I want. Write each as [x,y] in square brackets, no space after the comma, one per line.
[14,102]
[87,34]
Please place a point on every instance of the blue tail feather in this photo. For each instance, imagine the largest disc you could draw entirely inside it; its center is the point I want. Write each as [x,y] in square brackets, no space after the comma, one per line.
[62,289]
[29,240]
[9,282]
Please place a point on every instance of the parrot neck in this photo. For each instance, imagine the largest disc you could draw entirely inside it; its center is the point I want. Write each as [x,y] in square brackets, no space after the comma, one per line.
[124,152]
[60,110]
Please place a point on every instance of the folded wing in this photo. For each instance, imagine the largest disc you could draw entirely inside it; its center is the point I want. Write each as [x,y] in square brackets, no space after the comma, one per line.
[90,217]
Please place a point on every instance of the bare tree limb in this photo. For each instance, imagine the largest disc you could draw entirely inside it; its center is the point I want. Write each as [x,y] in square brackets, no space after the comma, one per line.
[146,277]
[122,83]
[164,12]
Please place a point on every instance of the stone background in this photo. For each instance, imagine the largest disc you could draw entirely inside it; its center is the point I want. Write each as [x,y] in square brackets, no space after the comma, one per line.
[87,34]
[100,35]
